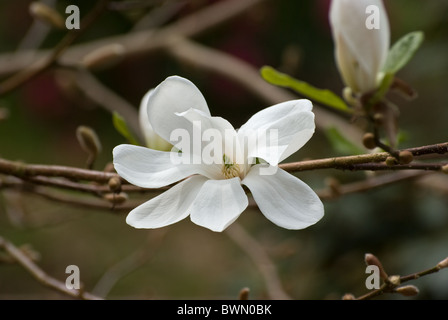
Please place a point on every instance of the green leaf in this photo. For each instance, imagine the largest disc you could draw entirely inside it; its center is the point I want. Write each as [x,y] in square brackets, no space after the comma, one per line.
[323,96]
[121,126]
[340,144]
[402,51]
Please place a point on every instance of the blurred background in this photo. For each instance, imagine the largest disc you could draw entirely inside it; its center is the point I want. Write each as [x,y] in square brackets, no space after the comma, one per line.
[405,224]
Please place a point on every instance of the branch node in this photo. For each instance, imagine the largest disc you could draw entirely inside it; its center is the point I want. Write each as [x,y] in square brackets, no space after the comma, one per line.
[393,281]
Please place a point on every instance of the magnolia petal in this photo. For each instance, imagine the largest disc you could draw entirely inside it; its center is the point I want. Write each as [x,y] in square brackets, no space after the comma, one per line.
[152,140]
[175,94]
[218,204]
[283,198]
[360,52]
[149,168]
[170,207]
[275,133]
[211,138]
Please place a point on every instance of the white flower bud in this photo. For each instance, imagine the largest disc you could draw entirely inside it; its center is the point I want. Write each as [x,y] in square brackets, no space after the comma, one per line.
[361,34]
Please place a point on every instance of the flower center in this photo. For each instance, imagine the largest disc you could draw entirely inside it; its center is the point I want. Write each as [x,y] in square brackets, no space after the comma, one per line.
[229,169]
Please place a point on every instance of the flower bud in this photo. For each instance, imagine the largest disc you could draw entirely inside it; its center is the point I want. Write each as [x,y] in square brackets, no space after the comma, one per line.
[445,169]
[370,260]
[368,141]
[360,49]
[348,296]
[114,184]
[116,198]
[88,140]
[405,157]
[103,57]
[443,264]
[407,291]
[391,161]
[244,294]
[46,14]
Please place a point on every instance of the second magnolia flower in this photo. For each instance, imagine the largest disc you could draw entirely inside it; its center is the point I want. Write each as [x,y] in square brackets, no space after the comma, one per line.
[212,193]
[360,50]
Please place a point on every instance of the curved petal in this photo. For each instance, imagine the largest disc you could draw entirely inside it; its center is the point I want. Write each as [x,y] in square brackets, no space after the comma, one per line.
[168,208]
[175,94]
[360,51]
[212,138]
[152,140]
[276,132]
[284,199]
[218,204]
[149,168]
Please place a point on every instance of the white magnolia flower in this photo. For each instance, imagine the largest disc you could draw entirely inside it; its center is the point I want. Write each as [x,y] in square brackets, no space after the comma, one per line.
[361,44]
[212,194]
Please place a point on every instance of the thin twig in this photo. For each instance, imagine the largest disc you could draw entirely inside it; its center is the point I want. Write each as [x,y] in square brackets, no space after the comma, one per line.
[40,275]
[92,188]
[52,195]
[44,63]
[389,287]
[369,184]
[260,258]
[129,264]
[69,199]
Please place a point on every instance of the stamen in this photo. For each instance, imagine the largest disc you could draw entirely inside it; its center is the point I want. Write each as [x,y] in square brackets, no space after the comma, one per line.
[229,169]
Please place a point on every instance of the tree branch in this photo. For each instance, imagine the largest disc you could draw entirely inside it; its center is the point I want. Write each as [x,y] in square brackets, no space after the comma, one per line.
[29,170]
[40,275]
[370,161]
[344,163]
[139,42]
[368,184]
[46,61]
